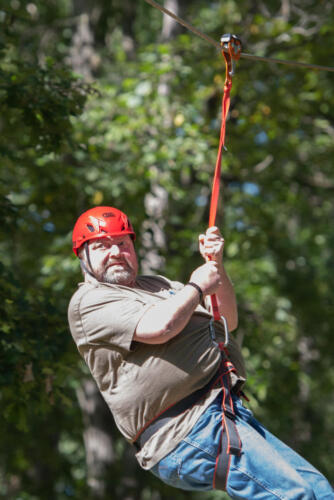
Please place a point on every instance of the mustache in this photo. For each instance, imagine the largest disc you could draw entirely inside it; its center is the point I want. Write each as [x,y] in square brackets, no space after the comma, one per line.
[122,261]
[116,262]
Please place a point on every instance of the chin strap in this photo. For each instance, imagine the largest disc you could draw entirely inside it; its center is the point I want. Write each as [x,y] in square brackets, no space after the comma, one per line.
[82,263]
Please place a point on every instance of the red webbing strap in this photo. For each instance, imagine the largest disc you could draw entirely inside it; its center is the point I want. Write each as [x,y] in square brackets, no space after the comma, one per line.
[216,179]
[234,47]
[230,443]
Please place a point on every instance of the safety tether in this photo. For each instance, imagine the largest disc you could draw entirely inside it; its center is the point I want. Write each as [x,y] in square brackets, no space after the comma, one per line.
[234,46]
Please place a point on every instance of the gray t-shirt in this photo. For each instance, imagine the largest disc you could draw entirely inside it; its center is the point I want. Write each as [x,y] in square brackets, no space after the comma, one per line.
[139,381]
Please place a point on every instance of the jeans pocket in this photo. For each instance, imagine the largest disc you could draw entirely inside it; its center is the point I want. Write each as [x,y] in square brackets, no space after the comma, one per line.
[204,446]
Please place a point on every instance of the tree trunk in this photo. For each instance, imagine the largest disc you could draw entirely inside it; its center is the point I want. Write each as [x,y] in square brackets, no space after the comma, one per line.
[153,239]
[169,25]
[156,201]
[83,58]
[97,436]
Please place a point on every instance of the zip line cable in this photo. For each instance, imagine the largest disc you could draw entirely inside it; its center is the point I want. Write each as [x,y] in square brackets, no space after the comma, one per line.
[242,55]
[230,46]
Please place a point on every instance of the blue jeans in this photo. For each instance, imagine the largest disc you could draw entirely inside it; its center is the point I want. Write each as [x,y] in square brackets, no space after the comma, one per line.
[266,468]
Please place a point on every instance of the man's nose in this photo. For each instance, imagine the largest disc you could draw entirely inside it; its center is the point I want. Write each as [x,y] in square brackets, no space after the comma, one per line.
[114,250]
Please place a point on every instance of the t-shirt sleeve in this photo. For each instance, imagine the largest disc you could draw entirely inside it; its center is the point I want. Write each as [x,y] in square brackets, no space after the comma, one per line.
[108,317]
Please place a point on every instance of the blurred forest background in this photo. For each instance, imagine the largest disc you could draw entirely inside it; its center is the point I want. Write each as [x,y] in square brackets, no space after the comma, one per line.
[109,102]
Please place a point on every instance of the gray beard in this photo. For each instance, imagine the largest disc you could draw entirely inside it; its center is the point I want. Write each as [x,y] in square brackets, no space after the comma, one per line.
[124,277]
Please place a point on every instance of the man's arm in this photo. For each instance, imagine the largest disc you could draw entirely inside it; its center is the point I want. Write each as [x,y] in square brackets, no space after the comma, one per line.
[211,245]
[167,319]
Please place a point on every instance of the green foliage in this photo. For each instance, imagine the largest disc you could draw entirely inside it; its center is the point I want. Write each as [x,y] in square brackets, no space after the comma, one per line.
[41,102]
[153,119]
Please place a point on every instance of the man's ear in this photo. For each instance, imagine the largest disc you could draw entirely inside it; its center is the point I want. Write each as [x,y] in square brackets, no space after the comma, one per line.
[81,253]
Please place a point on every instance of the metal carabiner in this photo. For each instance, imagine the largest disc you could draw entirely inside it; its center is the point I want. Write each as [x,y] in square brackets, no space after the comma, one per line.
[226,332]
[231,46]
[225,40]
[227,335]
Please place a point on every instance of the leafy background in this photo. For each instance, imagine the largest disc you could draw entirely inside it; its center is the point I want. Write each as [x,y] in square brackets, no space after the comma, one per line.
[107,102]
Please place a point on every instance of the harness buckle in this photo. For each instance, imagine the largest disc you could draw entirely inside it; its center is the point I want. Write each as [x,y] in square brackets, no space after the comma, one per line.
[229,414]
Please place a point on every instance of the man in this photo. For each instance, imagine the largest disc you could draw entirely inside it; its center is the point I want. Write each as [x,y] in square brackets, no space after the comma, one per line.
[161,365]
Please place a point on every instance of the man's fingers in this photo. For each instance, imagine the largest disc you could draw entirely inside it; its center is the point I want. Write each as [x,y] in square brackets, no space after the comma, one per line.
[211,244]
[214,245]
[213,233]
[212,229]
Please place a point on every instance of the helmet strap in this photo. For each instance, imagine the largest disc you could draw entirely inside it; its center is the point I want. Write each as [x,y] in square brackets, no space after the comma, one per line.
[83,264]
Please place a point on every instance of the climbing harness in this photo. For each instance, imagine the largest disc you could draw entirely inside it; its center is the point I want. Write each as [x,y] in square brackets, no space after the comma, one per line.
[231,50]
[230,443]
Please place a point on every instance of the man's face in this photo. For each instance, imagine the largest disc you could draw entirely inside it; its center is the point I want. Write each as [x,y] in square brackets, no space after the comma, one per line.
[113,260]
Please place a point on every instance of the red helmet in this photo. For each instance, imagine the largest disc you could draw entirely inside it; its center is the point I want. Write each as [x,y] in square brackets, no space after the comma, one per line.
[99,222]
